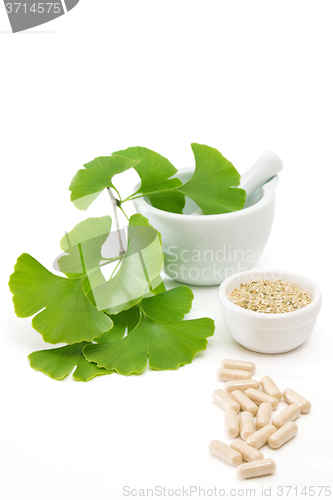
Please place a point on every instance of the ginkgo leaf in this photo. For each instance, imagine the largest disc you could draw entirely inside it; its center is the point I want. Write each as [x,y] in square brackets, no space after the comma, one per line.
[155,172]
[169,201]
[67,316]
[141,264]
[59,362]
[83,245]
[169,306]
[212,185]
[154,169]
[168,345]
[124,322]
[86,371]
[97,175]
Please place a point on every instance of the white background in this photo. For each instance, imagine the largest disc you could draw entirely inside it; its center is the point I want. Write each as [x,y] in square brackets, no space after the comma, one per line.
[241,76]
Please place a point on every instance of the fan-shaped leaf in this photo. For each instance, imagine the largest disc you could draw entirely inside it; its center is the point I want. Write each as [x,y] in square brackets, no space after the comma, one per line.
[97,175]
[168,345]
[212,185]
[83,244]
[58,363]
[141,264]
[155,172]
[68,316]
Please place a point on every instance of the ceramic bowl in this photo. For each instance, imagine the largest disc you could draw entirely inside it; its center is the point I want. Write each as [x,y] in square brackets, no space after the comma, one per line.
[206,249]
[269,333]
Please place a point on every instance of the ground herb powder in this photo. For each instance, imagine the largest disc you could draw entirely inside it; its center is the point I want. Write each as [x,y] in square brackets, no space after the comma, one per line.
[267,296]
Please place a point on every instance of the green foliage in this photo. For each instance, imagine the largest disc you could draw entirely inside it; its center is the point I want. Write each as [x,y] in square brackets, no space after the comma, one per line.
[58,363]
[83,246]
[67,315]
[117,324]
[88,183]
[141,264]
[160,334]
[213,185]
[154,171]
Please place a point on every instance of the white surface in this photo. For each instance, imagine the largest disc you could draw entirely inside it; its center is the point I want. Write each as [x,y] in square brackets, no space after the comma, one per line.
[239,76]
[269,333]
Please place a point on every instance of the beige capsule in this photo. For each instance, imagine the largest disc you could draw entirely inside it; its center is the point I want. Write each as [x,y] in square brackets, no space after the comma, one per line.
[261,397]
[231,423]
[225,400]
[246,424]
[256,469]
[259,438]
[244,402]
[264,415]
[287,415]
[248,453]
[283,435]
[236,364]
[225,374]
[225,452]
[293,397]
[240,385]
[270,387]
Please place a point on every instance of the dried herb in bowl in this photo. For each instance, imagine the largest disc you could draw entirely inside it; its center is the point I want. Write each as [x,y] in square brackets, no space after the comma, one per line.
[270,296]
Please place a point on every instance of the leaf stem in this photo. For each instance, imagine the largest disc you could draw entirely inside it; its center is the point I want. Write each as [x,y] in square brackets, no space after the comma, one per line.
[116,267]
[116,190]
[82,259]
[116,222]
[121,208]
[134,196]
[108,261]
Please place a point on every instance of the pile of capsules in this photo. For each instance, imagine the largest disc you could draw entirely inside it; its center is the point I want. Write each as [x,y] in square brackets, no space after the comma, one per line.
[241,392]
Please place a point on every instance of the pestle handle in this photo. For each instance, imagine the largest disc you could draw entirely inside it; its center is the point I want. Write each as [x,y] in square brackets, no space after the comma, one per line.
[267,165]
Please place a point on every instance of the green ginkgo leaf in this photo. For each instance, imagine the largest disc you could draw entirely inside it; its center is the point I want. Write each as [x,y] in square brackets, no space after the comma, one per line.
[170,306]
[86,371]
[58,363]
[168,345]
[67,316]
[97,175]
[123,323]
[140,266]
[155,171]
[212,185]
[83,245]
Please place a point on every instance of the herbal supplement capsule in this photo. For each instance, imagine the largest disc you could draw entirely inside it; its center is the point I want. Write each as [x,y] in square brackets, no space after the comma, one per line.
[244,402]
[256,469]
[287,415]
[231,423]
[246,424]
[234,364]
[293,397]
[264,415]
[259,438]
[270,387]
[225,400]
[261,397]
[224,452]
[240,385]
[248,453]
[283,435]
[225,374]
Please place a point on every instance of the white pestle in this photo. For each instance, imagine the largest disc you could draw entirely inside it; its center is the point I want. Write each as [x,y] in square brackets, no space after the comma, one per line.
[267,166]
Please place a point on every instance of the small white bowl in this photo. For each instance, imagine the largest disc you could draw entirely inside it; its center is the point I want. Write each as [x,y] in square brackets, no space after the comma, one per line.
[269,333]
